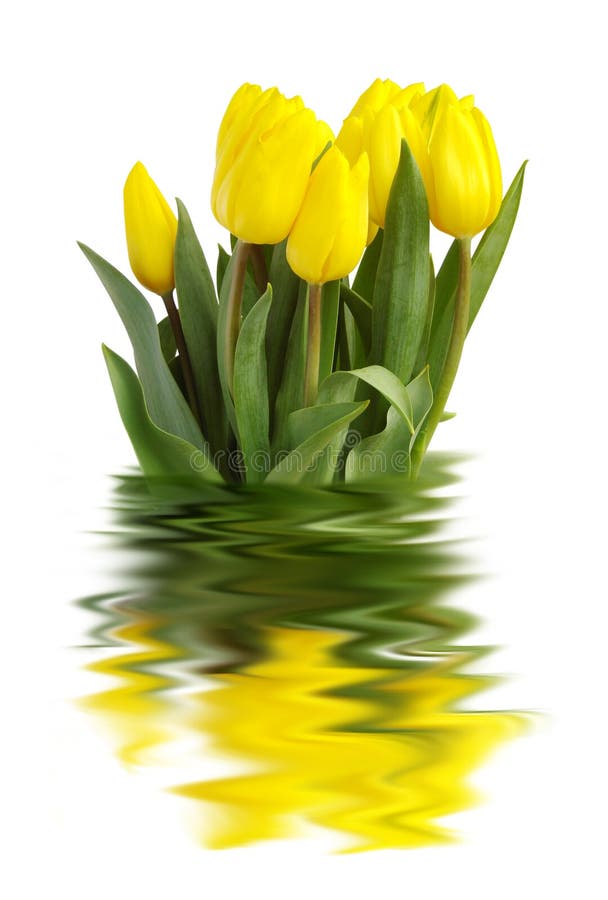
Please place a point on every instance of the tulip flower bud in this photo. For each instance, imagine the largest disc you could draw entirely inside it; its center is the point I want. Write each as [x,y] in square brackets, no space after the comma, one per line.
[265,151]
[151,229]
[330,231]
[377,95]
[380,119]
[466,171]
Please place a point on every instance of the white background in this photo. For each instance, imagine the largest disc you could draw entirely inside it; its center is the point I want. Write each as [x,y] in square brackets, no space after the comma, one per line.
[87,90]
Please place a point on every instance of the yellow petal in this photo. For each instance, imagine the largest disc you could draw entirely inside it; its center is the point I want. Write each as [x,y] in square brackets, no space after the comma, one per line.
[350,138]
[384,151]
[463,190]
[376,96]
[267,184]
[151,228]
[428,108]
[243,99]
[493,164]
[330,231]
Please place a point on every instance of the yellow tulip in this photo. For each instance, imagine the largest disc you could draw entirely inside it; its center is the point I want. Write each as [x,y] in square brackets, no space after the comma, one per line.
[466,171]
[151,228]
[377,95]
[381,118]
[330,231]
[266,146]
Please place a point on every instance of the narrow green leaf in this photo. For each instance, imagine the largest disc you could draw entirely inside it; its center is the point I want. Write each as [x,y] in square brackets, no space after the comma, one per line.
[251,390]
[412,401]
[386,453]
[486,259]
[301,464]
[365,278]
[291,391]
[223,258]
[167,339]
[285,285]
[159,453]
[330,303]
[401,291]
[423,350]
[361,311]
[164,400]
[198,310]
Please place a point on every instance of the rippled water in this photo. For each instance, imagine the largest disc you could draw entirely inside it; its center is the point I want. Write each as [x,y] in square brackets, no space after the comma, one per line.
[297,659]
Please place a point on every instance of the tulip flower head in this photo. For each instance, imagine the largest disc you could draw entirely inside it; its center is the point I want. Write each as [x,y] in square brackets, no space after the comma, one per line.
[151,229]
[330,231]
[380,119]
[266,146]
[465,171]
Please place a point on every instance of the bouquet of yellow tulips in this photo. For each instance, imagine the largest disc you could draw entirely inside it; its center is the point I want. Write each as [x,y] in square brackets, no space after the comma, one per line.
[284,370]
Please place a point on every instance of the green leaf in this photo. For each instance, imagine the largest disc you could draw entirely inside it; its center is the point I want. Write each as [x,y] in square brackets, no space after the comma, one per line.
[198,310]
[160,454]
[285,287]
[486,259]
[223,258]
[386,453]
[167,339]
[361,311]
[401,291]
[325,429]
[365,278]
[412,401]
[291,392]
[423,349]
[164,400]
[330,303]
[251,390]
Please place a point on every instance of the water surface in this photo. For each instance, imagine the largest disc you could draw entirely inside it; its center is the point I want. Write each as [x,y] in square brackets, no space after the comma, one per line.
[299,658]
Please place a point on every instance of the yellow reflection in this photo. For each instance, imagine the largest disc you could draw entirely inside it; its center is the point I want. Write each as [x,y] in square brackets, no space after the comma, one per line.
[378,753]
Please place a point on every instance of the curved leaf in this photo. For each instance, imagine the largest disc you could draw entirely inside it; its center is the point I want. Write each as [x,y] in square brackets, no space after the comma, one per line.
[198,309]
[159,453]
[164,400]
[309,459]
[366,273]
[386,453]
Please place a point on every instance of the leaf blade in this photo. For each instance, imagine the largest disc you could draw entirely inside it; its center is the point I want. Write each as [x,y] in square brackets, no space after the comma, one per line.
[165,402]
[251,390]
[159,453]
[401,289]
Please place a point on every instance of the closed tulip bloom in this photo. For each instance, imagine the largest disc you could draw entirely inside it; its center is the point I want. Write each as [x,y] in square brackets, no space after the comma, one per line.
[330,231]
[381,120]
[266,147]
[151,228]
[377,95]
[388,129]
[427,107]
[466,171]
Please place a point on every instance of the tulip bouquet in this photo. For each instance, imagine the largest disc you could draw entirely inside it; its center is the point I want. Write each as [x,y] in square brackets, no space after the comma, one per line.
[284,370]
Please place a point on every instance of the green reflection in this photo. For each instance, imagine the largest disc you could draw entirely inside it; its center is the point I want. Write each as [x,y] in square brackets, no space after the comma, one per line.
[308,638]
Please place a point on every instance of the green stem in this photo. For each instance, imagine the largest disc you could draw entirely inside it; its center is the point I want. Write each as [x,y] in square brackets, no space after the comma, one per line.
[184,356]
[313,348]
[260,272]
[234,306]
[459,332]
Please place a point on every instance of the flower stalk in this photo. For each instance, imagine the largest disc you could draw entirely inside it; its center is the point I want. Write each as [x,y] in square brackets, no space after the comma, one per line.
[234,309]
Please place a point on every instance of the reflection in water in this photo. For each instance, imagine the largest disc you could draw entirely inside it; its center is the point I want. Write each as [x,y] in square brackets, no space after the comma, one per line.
[301,645]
